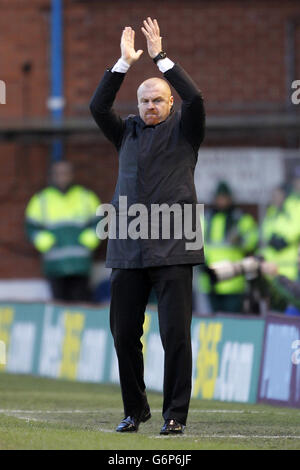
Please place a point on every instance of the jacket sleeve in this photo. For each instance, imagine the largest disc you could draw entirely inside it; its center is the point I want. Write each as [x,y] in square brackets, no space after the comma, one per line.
[37,233]
[192,109]
[248,230]
[101,107]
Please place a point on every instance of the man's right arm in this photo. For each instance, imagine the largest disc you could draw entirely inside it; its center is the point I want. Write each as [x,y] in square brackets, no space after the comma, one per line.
[101,107]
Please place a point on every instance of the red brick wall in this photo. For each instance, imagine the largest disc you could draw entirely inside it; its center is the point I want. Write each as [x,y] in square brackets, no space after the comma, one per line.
[24,37]
[234,50]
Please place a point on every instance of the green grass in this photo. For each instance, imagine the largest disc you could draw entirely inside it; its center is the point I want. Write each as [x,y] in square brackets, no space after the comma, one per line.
[40,413]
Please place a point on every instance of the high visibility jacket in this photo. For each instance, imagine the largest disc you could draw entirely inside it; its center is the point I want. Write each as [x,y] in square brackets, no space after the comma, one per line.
[283,223]
[62,227]
[228,235]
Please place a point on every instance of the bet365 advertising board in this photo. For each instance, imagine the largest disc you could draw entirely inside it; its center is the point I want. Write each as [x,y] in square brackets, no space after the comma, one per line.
[75,343]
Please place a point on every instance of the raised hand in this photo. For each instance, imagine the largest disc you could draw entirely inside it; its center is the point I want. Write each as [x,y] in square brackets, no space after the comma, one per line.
[152,35]
[129,54]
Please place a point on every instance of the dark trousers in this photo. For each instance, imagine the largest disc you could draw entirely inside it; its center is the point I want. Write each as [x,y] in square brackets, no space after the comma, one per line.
[130,289]
[70,288]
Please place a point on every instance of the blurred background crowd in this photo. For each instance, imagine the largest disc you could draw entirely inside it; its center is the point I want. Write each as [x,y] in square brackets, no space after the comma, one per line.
[57,167]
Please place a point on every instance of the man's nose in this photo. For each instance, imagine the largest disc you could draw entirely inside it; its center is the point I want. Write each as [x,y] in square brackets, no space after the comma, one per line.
[150,105]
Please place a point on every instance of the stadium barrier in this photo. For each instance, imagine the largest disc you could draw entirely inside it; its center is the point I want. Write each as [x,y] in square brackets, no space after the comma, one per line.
[279,382]
[230,353]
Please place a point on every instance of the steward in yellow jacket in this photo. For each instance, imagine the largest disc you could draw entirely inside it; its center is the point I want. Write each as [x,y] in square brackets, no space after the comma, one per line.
[281,233]
[229,235]
[61,223]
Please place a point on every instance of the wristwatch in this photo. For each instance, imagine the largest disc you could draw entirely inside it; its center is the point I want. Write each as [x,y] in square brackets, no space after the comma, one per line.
[161,55]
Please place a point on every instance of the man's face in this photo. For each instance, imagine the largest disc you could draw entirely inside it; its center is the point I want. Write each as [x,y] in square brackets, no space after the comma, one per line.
[62,174]
[154,101]
[223,201]
[296,185]
[278,197]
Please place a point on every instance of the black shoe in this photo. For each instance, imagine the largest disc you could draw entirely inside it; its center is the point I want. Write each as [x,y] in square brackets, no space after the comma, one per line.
[131,424]
[172,426]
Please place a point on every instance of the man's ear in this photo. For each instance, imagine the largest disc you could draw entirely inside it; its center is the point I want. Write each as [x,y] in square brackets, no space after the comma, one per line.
[171,102]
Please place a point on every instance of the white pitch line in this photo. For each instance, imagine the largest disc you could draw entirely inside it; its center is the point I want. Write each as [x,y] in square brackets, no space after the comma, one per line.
[40,420]
[106,430]
[213,411]
[241,436]
[193,436]
[25,418]
[152,411]
[226,436]
[48,411]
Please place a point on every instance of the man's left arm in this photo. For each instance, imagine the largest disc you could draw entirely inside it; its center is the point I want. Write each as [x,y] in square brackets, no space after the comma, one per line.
[192,110]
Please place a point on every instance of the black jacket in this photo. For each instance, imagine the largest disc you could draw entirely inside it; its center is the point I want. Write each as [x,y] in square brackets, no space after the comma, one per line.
[156,166]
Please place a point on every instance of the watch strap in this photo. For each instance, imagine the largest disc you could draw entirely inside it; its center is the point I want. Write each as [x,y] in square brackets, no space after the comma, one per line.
[161,55]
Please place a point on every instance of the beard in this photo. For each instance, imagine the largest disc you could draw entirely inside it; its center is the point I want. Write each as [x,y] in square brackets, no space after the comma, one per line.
[151,118]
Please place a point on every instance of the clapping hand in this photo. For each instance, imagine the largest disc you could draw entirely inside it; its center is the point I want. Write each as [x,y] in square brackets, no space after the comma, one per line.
[152,35]
[128,52]
[154,41]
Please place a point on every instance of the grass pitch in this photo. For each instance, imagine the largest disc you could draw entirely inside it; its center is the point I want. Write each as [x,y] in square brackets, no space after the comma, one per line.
[38,413]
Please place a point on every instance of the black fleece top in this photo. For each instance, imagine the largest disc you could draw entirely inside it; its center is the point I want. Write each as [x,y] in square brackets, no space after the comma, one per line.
[156,166]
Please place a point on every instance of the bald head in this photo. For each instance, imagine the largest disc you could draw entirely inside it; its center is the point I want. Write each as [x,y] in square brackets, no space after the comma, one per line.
[154,100]
[154,82]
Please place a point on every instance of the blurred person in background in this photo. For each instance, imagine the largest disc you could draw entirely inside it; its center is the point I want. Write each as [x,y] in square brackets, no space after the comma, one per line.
[280,232]
[293,198]
[61,223]
[229,235]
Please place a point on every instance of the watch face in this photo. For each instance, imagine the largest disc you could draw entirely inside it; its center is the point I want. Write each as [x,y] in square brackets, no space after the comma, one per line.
[161,55]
